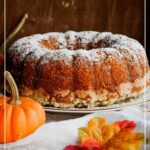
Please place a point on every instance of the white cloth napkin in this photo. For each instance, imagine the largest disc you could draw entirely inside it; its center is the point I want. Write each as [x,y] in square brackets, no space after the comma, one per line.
[57,135]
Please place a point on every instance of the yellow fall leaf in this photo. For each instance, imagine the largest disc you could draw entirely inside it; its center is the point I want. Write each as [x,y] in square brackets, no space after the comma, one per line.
[125,141]
[111,137]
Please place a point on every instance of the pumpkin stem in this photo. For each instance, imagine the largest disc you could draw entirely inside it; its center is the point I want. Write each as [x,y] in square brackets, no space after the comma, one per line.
[13,87]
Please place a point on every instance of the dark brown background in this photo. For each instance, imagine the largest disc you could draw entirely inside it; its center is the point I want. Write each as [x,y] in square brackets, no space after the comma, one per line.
[118,16]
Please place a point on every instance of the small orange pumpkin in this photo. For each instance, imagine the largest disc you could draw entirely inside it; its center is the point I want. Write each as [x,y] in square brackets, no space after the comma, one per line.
[19,116]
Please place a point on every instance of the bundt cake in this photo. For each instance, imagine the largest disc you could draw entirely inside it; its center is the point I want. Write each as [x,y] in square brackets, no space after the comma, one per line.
[79,69]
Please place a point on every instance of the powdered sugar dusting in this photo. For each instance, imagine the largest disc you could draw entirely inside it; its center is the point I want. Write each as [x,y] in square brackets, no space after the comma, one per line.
[90,44]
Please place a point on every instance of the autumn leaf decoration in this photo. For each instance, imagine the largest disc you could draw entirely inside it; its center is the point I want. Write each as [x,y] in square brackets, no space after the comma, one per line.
[99,135]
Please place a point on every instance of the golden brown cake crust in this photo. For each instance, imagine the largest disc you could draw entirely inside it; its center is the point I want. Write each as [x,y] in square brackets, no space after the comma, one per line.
[67,69]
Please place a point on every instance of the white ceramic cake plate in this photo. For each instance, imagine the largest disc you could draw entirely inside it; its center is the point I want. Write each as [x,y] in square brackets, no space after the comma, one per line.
[144,98]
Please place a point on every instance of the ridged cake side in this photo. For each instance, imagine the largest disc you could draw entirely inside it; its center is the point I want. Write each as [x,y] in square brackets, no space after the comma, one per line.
[84,69]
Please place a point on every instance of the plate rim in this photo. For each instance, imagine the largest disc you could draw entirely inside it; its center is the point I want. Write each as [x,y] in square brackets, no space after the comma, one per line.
[132,102]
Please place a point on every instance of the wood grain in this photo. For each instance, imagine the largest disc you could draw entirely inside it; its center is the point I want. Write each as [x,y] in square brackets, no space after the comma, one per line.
[1,21]
[118,16]
[148,29]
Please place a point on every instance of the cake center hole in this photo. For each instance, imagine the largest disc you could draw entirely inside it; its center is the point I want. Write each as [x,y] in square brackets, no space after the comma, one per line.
[50,44]
[54,44]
